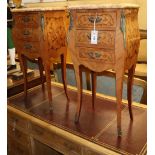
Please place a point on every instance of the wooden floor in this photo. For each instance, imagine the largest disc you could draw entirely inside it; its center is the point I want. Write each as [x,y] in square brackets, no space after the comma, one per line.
[97,126]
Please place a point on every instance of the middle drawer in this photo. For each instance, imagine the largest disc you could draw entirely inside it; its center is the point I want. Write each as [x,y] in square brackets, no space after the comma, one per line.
[106,39]
[27,34]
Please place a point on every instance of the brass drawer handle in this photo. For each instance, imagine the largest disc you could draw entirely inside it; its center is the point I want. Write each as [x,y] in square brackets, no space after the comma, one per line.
[25,19]
[91,19]
[26,33]
[28,46]
[94,55]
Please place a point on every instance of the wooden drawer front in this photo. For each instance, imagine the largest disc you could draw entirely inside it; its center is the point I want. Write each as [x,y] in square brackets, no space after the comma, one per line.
[15,148]
[18,135]
[92,54]
[22,20]
[16,120]
[55,141]
[106,39]
[30,49]
[103,19]
[27,34]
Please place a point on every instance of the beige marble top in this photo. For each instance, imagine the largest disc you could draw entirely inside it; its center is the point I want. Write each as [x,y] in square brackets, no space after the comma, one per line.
[71,5]
[98,4]
[42,6]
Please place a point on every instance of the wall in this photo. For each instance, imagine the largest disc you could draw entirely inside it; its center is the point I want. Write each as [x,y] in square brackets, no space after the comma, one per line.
[143,25]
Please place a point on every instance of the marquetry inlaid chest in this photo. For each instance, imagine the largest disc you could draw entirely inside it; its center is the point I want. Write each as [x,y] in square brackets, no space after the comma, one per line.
[116,45]
[39,33]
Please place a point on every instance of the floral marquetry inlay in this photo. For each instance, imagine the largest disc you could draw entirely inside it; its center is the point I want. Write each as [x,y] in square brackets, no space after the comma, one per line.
[132,33]
[55,33]
[132,30]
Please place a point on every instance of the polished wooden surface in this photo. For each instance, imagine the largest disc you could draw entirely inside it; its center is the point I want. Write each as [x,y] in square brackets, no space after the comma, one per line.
[42,36]
[95,132]
[116,49]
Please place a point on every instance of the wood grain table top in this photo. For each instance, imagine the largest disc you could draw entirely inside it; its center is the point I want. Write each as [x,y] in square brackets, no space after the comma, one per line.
[98,126]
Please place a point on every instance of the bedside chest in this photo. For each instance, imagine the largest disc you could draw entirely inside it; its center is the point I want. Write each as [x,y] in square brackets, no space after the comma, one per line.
[116,46]
[39,33]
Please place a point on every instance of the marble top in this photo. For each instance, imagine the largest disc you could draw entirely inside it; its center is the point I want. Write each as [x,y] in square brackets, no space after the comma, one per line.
[98,4]
[72,5]
[42,6]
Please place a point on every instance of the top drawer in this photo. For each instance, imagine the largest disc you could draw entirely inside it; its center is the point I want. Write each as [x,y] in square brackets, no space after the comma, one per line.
[104,19]
[29,20]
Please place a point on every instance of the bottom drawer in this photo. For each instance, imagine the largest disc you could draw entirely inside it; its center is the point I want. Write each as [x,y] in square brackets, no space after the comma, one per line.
[92,54]
[30,49]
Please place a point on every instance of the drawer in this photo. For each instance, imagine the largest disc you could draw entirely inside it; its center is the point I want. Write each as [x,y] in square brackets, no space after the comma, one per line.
[15,148]
[29,20]
[104,19]
[106,39]
[18,135]
[55,141]
[27,34]
[29,49]
[16,120]
[92,54]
